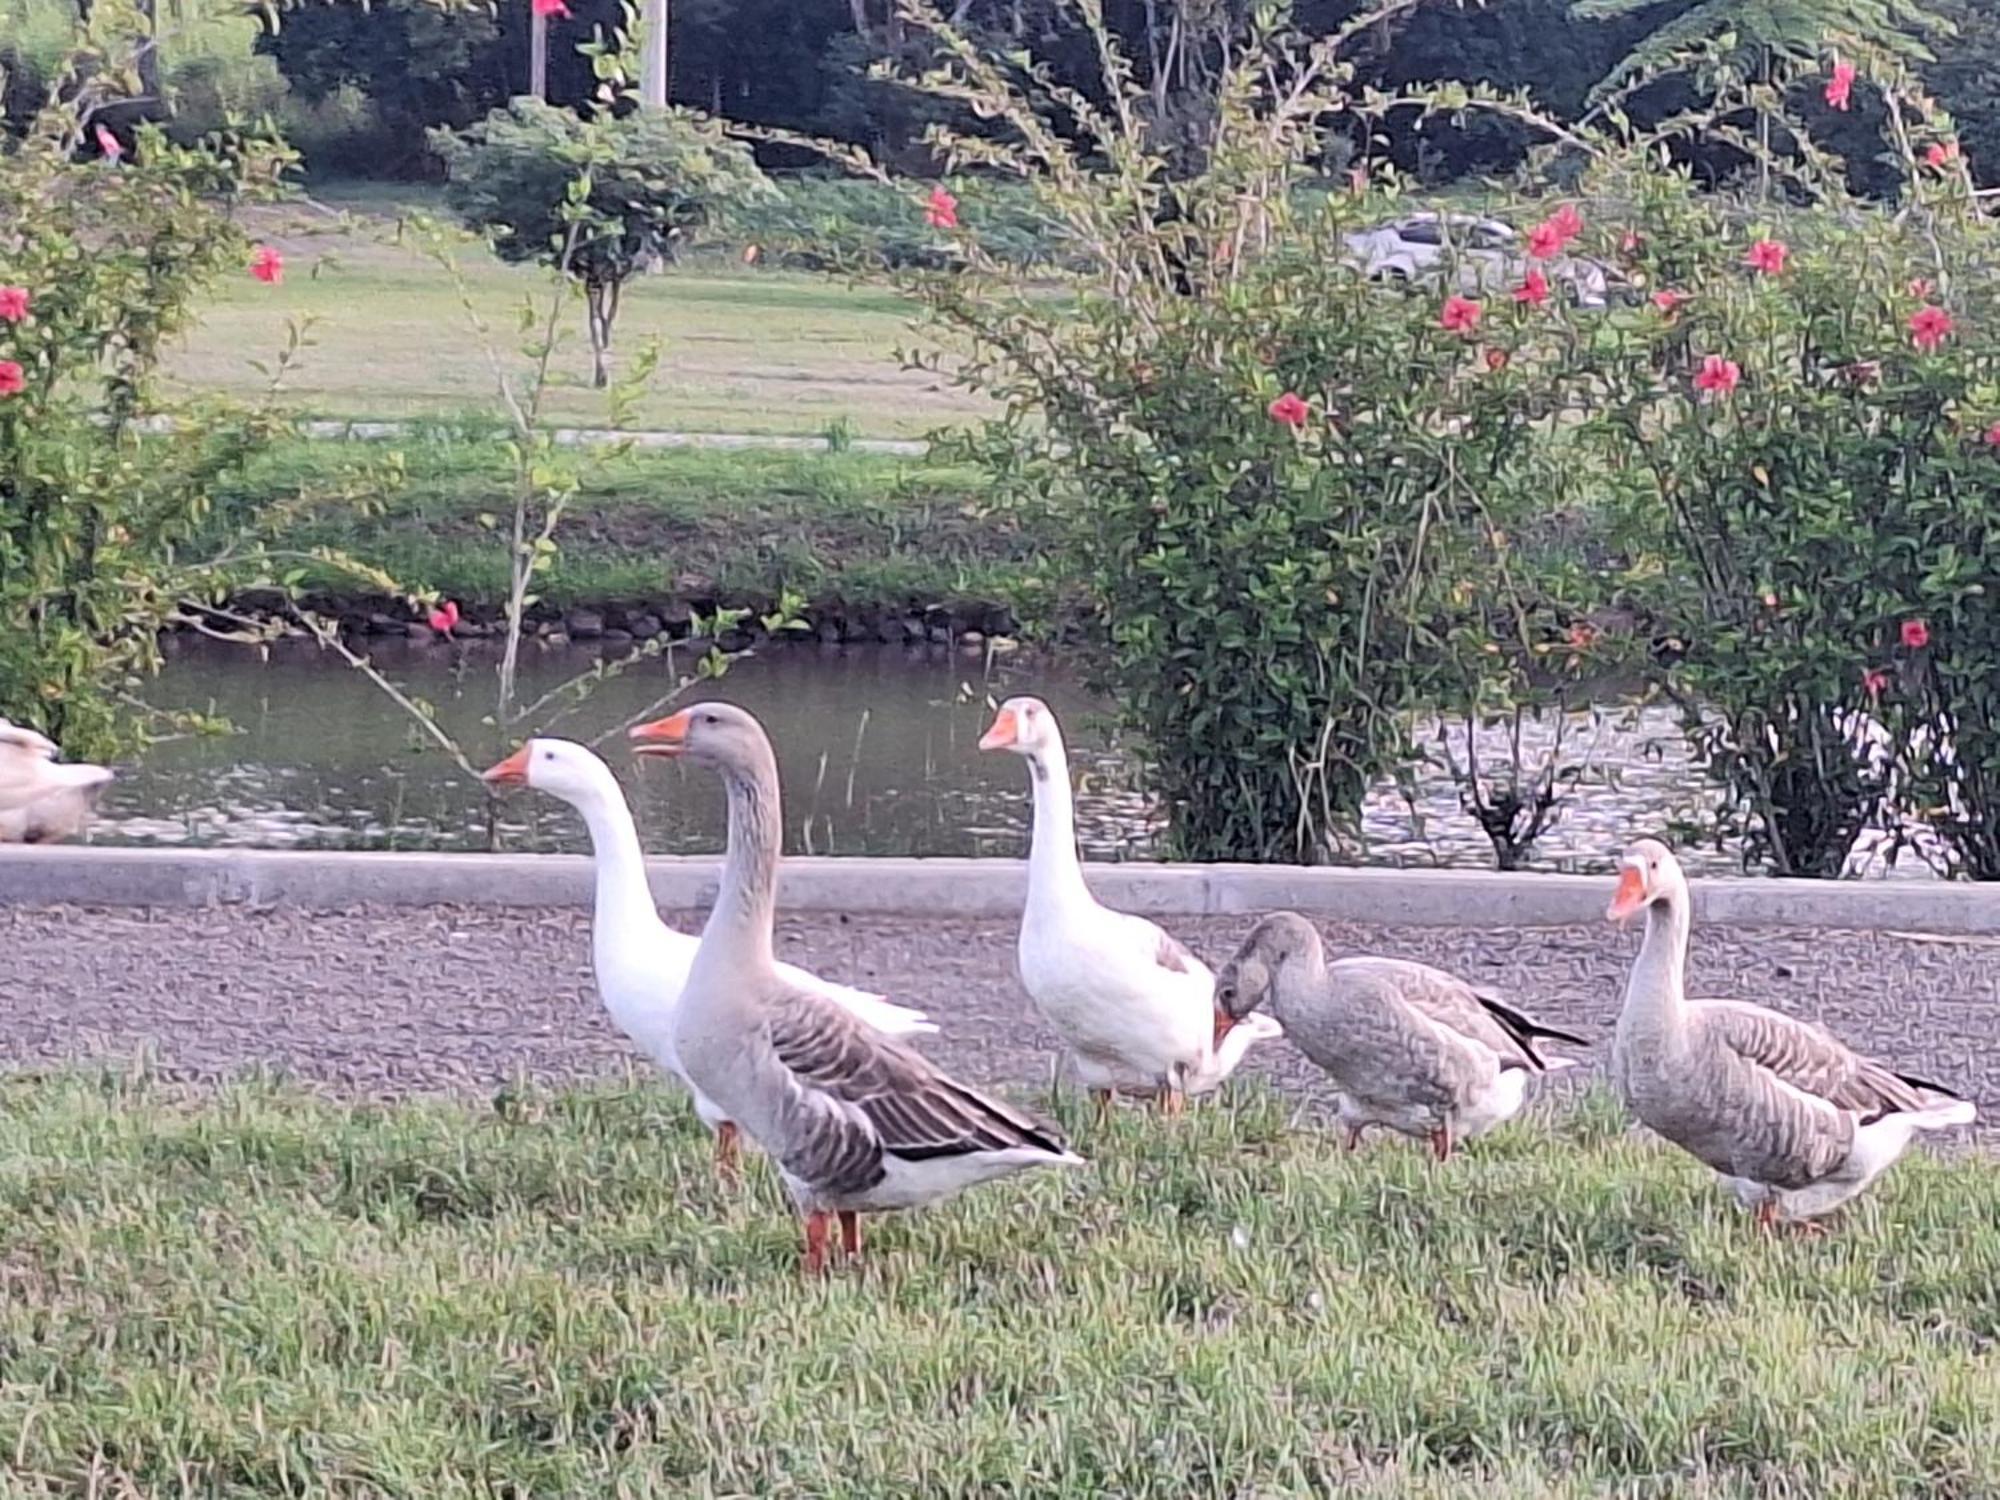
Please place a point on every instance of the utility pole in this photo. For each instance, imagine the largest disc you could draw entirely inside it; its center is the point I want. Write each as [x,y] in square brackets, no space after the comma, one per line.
[538,53]
[653,56]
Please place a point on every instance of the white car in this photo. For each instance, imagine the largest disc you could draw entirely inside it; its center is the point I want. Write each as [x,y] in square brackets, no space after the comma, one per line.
[1489,255]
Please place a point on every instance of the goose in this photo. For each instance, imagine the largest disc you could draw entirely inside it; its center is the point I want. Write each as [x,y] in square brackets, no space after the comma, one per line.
[856,1121]
[1135,1008]
[640,963]
[42,799]
[1794,1121]
[1407,1046]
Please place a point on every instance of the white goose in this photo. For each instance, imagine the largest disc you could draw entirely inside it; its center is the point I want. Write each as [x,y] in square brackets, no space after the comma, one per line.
[857,1122]
[41,798]
[641,964]
[1796,1122]
[1134,1007]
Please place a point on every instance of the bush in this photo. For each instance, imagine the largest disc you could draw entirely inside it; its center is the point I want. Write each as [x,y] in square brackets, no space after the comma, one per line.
[1302,508]
[1805,444]
[1290,497]
[101,264]
[815,223]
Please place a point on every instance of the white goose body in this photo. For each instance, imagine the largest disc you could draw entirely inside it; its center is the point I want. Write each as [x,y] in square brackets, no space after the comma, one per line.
[1794,1121]
[1135,1008]
[41,798]
[641,964]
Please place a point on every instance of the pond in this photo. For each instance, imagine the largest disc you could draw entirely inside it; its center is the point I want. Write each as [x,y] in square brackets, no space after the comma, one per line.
[877,746]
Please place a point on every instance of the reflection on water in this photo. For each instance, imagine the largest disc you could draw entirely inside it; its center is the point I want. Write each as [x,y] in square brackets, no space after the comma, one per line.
[877,747]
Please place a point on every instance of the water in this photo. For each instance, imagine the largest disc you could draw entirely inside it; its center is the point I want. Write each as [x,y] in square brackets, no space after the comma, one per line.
[877,747]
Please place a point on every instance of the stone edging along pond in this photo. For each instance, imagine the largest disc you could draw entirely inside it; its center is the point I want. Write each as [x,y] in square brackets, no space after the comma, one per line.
[194,878]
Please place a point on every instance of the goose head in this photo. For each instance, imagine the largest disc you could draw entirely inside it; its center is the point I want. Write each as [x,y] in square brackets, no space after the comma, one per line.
[1282,944]
[562,768]
[1026,726]
[1648,876]
[720,735]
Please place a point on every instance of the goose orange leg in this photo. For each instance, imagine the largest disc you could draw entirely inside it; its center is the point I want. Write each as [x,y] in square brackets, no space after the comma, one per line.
[1441,1143]
[728,1151]
[1173,1102]
[1354,1137]
[850,1234]
[816,1234]
[1103,1098]
[1767,1215]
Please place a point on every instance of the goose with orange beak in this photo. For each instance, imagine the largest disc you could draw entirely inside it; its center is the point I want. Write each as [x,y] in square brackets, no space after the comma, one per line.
[639,962]
[1794,1121]
[1135,1009]
[857,1122]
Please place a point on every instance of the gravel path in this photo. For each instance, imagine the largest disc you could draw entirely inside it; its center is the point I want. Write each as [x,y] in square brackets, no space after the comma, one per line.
[385,1002]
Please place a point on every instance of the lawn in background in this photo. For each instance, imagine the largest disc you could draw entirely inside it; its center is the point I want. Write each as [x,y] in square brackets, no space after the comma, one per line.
[744,350]
[259,1292]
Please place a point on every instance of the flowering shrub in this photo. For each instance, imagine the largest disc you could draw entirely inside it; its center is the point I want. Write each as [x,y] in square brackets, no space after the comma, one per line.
[1803,434]
[106,531]
[1291,493]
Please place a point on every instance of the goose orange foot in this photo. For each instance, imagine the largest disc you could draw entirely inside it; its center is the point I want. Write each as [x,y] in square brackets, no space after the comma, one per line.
[1441,1143]
[728,1151]
[817,1223]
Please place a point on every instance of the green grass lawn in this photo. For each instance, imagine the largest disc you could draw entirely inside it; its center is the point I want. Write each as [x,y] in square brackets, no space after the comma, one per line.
[858,529]
[743,350]
[259,1293]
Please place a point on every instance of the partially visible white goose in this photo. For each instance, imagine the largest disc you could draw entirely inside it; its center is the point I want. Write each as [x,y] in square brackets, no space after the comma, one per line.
[1795,1121]
[857,1122]
[1407,1046]
[42,799]
[641,964]
[1134,1007]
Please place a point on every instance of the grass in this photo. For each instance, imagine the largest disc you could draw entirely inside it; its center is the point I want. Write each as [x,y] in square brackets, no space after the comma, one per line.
[743,351]
[862,530]
[258,1293]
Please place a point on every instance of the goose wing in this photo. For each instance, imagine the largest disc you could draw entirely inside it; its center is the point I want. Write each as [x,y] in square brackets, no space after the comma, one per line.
[859,1096]
[1476,1014]
[1812,1060]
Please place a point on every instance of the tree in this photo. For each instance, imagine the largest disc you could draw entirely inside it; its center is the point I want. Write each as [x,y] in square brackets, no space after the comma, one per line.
[599,198]
[1754,32]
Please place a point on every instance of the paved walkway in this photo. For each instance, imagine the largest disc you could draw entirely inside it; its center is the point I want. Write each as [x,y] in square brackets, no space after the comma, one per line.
[382,1002]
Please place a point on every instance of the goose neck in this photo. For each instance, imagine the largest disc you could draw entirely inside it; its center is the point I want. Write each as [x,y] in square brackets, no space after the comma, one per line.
[1055,874]
[623,897]
[1654,993]
[746,905]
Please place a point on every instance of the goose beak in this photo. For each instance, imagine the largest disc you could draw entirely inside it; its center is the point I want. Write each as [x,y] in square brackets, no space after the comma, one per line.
[666,736]
[1630,896]
[1005,733]
[1224,1024]
[513,771]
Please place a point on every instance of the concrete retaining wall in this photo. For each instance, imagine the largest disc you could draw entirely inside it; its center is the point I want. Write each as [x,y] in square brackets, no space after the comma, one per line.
[959,887]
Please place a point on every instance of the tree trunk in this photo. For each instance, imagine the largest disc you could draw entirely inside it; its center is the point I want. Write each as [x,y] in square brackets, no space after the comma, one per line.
[154,99]
[601,309]
[538,56]
[653,56]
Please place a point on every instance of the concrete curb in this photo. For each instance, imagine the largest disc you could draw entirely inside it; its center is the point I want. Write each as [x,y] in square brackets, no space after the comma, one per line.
[959,888]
